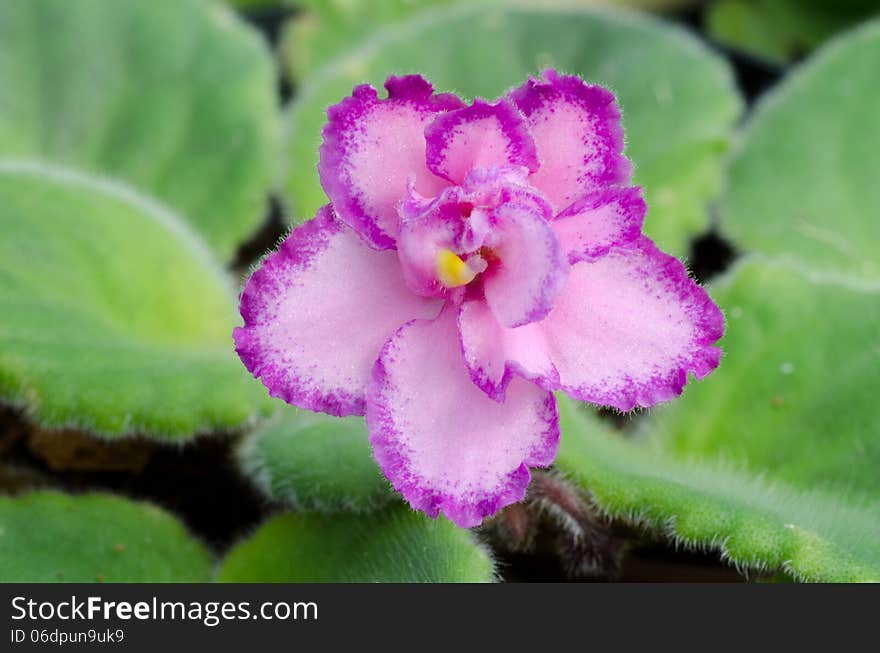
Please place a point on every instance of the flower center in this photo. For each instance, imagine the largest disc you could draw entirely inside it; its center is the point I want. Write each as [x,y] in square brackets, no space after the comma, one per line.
[455,239]
[453,271]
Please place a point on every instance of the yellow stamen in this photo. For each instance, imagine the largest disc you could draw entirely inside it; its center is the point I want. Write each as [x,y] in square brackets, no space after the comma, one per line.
[452,271]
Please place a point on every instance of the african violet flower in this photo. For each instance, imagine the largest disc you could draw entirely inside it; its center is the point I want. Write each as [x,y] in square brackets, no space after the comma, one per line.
[472,259]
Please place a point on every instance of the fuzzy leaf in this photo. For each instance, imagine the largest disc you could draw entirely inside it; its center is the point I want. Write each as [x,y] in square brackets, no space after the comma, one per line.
[316,462]
[320,30]
[52,537]
[796,391]
[396,545]
[678,98]
[114,317]
[177,98]
[804,183]
[773,458]
[782,30]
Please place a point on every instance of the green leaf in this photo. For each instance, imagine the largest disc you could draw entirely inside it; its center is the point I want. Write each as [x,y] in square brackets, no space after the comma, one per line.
[796,391]
[114,318]
[773,458]
[177,98]
[320,30]
[396,545]
[678,98]
[316,462]
[782,30]
[803,184]
[51,537]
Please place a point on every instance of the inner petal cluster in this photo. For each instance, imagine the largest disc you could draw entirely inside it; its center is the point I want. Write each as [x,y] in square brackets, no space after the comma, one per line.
[477,235]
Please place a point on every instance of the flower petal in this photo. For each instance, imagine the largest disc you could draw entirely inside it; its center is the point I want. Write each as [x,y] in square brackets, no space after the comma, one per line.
[371,149]
[624,332]
[600,220]
[481,135]
[317,313]
[493,354]
[441,442]
[578,135]
[628,328]
[531,270]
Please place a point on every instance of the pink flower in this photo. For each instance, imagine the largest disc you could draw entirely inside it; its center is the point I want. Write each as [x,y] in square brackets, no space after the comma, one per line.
[472,259]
